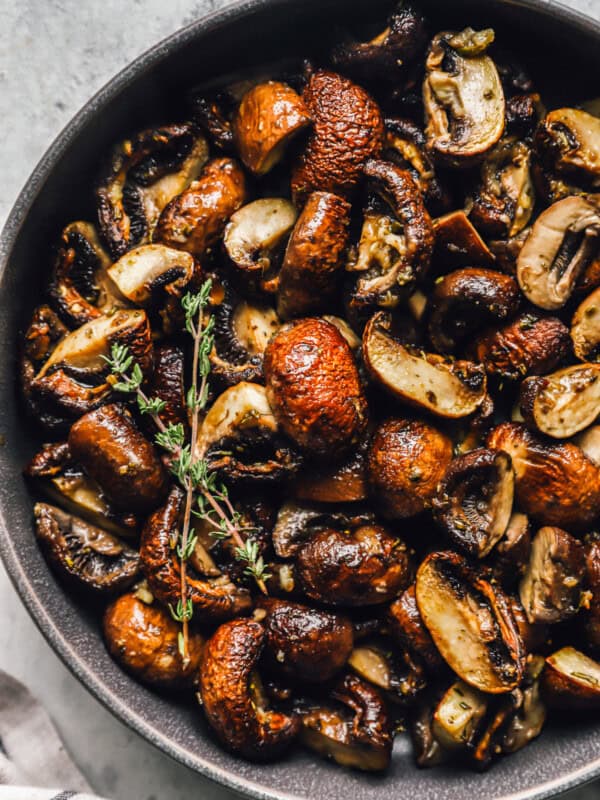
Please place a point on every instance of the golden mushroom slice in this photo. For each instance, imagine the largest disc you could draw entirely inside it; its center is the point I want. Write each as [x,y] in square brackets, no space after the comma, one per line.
[140,273]
[458,715]
[585,328]
[568,140]
[571,680]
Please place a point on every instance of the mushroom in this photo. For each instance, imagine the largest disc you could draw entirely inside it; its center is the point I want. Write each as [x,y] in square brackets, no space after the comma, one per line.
[215,599]
[568,141]
[356,735]
[571,681]
[140,273]
[592,613]
[195,219]
[269,115]
[470,622]
[459,716]
[475,500]
[83,556]
[427,750]
[212,113]
[313,260]
[563,240]
[511,554]
[529,715]
[550,590]
[555,482]
[341,482]
[406,461]
[457,243]
[231,696]
[167,383]
[347,130]
[563,403]
[463,97]
[394,671]
[585,328]
[506,251]
[143,638]
[522,114]
[314,389]
[447,388]
[143,175]
[464,301]
[364,566]
[406,626]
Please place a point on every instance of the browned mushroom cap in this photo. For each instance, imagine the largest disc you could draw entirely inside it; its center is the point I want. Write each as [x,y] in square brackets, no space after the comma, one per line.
[363,567]
[458,717]
[429,381]
[231,696]
[143,638]
[313,259]
[314,388]
[592,614]
[195,219]
[470,622]
[167,383]
[407,460]
[475,500]
[511,554]
[463,97]
[212,114]
[531,344]
[585,328]
[464,301]
[506,251]
[84,556]
[141,273]
[114,453]
[563,403]
[343,482]
[457,243]
[215,600]
[305,643]
[143,175]
[568,141]
[556,483]
[347,130]
[358,734]
[562,242]
[395,671]
[268,117]
[406,626]
[571,680]
[550,590]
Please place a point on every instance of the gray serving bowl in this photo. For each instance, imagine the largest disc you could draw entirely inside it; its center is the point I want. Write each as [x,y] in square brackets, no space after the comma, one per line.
[562,50]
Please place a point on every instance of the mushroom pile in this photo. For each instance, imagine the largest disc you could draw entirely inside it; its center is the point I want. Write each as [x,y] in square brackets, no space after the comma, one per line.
[402,247]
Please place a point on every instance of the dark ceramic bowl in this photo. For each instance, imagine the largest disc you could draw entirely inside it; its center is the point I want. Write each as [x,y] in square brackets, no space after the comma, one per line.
[562,50]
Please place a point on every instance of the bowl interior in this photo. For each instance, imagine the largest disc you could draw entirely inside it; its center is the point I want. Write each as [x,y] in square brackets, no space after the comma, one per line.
[563,54]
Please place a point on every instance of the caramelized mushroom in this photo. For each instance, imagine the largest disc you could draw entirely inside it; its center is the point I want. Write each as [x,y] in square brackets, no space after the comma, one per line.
[568,140]
[142,272]
[167,383]
[585,328]
[529,716]
[592,614]
[342,482]
[571,681]
[406,626]
[459,715]
[394,671]
[511,554]
[457,243]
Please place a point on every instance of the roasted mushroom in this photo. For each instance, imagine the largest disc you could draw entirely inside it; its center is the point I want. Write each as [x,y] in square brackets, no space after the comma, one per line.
[394,671]
[146,270]
[568,140]
[511,554]
[406,626]
[459,715]
[585,328]
[529,715]
[457,243]
[571,681]
[592,613]
[167,383]
[342,482]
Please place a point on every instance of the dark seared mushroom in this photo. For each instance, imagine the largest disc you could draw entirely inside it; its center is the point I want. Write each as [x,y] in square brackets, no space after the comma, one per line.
[427,750]
[506,251]
[143,638]
[585,328]
[463,97]
[347,130]
[551,588]
[475,500]
[407,460]
[269,115]
[511,554]
[470,622]
[406,626]
[144,173]
[529,716]
[84,556]
[464,301]
[141,273]
[167,383]
[571,681]
[522,113]
[457,243]
[444,387]
[568,141]
[555,482]
[212,113]
[231,696]
[342,482]
[458,716]
[592,613]
[393,670]
[357,734]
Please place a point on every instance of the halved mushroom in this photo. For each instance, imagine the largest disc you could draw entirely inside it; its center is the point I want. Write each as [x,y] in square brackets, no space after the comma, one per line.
[143,175]
[511,554]
[394,671]
[506,251]
[585,328]
[555,482]
[464,301]
[563,241]
[343,482]
[459,716]
[463,97]
[407,459]
[142,272]
[231,694]
[563,403]
[529,715]
[269,115]
[447,388]
[84,556]
[361,738]
[551,588]
[143,638]
[406,626]
[475,500]
[255,237]
[568,140]
[457,243]
[571,681]
[240,438]
[470,622]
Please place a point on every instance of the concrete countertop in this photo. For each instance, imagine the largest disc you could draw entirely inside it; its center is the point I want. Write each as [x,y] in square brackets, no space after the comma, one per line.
[54,54]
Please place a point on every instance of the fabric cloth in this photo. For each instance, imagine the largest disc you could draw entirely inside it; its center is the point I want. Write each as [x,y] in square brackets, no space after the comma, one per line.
[31,752]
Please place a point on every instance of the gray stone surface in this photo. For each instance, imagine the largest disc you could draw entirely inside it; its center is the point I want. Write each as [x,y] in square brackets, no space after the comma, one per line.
[54,54]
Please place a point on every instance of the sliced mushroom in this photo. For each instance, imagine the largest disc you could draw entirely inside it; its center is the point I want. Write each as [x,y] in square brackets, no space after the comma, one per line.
[231,697]
[457,243]
[550,590]
[429,381]
[470,622]
[459,715]
[392,670]
[406,626]
[343,482]
[268,117]
[143,638]
[571,681]
[568,140]
[530,714]
[463,97]
[562,242]
[84,556]
[506,251]
[585,328]
[407,459]
[142,272]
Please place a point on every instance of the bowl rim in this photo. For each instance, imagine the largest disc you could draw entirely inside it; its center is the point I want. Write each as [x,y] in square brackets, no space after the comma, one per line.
[147,60]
